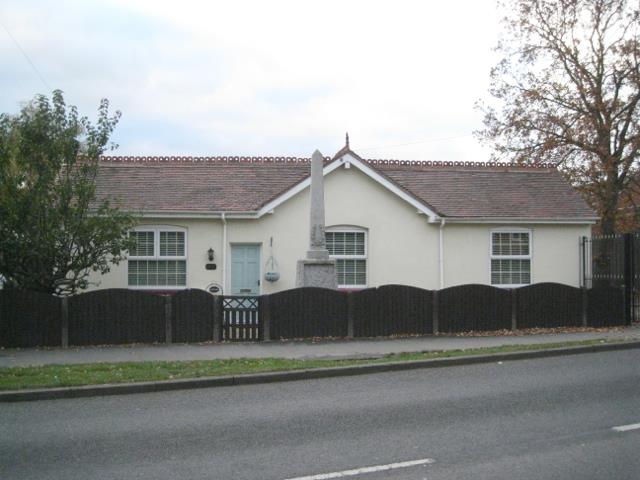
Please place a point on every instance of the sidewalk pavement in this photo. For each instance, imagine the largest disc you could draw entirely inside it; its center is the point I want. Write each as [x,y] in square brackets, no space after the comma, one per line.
[334,349]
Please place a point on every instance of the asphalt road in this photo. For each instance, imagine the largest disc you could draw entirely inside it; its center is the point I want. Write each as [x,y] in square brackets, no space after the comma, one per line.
[530,419]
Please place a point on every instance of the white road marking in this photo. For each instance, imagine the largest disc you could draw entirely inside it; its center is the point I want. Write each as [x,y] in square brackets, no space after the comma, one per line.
[626,428]
[363,470]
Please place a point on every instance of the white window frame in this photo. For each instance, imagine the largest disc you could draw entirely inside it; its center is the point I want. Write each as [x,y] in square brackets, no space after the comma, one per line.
[364,257]
[511,257]
[156,229]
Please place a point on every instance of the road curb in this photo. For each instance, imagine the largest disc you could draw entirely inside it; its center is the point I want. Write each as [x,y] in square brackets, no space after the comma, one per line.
[292,375]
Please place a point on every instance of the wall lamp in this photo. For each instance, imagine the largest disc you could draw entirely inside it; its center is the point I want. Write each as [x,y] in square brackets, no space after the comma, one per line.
[210,254]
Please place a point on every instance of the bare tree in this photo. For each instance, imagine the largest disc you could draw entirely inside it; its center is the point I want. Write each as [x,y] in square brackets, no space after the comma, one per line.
[567,91]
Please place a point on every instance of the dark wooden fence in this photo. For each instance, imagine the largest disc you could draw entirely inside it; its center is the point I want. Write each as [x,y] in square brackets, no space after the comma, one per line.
[605,307]
[474,307]
[549,305]
[306,313]
[29,319]
[392,310]
[192,314]
[120,316]
[116,316]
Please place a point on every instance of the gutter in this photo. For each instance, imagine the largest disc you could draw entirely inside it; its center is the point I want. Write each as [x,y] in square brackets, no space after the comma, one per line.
[519,220]
[191,214]
[441,252]
[254,215]
[224,253]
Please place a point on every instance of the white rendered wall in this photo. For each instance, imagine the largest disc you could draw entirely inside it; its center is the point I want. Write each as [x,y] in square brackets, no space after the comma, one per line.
[201,235]
[555,252]
[402,246]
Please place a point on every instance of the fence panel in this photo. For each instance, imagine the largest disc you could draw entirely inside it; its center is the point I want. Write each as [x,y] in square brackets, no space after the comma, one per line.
[193,312]
[605,307]
[241,321]
[29,319]
[473,308]
[116,316]
[308,312]
[392,310]
[549,305]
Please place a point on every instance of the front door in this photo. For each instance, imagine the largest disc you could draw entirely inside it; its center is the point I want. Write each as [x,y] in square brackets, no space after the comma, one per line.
[245,270]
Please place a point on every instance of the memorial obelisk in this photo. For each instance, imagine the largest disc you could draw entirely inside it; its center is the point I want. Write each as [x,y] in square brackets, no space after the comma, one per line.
[317,270]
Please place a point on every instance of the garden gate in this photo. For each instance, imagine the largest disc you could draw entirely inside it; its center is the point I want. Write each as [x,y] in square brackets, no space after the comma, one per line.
[240,319]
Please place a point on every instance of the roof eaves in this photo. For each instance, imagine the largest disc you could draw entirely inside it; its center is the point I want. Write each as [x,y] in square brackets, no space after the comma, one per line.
[364,165]
[194,214]
[268,206]
[520,220]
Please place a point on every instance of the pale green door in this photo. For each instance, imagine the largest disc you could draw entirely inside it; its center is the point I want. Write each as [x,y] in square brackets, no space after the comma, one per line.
[245,270]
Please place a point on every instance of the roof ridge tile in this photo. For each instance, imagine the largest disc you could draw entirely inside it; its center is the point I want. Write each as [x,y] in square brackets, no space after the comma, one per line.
[435,163]
[287,160]
[222,159]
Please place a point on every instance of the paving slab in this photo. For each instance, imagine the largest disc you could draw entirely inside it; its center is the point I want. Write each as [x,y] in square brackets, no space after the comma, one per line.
[360,348]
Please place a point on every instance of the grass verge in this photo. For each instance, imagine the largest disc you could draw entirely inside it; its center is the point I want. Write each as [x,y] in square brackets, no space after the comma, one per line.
[50,376]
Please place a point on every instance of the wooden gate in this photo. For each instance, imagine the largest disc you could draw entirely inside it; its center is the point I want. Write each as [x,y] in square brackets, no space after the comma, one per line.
[240,319]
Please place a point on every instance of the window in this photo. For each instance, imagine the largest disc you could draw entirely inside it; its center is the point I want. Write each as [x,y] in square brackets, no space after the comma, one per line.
[349,248]
[510,258]
[158,258]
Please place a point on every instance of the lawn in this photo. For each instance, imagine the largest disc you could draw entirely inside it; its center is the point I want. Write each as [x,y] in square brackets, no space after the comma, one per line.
[102,373]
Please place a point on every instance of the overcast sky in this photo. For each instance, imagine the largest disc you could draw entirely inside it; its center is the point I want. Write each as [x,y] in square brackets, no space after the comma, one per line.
[261,77]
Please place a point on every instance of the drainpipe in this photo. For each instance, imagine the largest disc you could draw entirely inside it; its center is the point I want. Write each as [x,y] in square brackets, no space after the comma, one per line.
[224,254]
[441,253]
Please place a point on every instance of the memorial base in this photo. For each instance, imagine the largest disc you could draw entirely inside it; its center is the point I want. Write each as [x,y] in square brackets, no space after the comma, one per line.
[316,273]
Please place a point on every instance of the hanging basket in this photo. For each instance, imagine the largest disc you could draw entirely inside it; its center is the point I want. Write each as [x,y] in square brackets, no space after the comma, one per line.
[272,274]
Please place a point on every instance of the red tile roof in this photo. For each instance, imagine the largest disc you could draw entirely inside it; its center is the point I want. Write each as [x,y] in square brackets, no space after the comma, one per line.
[245,184]
[197,184]
[490,190]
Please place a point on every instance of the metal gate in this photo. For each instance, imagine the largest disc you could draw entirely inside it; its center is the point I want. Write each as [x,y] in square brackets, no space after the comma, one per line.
[240,319]
[614,260]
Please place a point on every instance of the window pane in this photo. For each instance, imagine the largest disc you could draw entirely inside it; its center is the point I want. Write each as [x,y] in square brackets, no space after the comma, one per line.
[157,273]
[171,244]
[510,272]
[152,273]
[144,244]
[351,272]
[510,243]
[345,243]
[133,272]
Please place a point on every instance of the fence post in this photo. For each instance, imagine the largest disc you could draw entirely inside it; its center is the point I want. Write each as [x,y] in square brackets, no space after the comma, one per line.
[514,309]
[168,327]
[584,306]
[265,317]
[64,325]
[435,312]
[583,262]
[628,276]
[217,317]
[626,317]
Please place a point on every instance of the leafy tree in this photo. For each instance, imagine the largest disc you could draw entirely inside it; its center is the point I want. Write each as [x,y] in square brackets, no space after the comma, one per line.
[567,91]
[52,231]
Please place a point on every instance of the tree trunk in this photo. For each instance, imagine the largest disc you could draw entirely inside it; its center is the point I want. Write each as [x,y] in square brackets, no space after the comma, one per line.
[609,206]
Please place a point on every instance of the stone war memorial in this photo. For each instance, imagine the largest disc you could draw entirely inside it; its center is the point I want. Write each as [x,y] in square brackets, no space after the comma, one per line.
[317,270]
